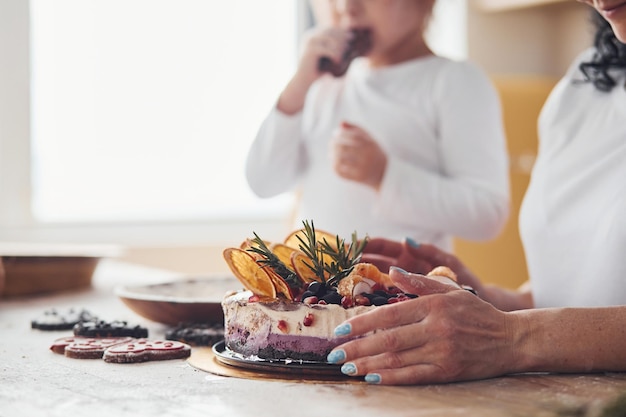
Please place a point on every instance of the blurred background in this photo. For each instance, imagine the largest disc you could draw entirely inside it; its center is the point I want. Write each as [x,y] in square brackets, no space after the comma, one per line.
[127,122]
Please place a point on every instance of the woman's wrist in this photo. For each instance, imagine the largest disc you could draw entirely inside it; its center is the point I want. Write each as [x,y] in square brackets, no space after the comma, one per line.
[524,354]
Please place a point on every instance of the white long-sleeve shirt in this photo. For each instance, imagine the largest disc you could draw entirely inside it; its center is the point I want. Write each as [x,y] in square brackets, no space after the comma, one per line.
[439,122]
[573,218]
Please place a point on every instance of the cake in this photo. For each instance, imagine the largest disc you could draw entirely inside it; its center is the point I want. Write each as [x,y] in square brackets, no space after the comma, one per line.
[297,292]
[282,329]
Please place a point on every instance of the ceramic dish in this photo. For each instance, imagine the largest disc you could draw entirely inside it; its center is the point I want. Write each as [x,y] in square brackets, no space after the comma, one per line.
[193,300]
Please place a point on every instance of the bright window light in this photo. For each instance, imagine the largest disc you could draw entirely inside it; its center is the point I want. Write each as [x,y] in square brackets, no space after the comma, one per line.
[144,109]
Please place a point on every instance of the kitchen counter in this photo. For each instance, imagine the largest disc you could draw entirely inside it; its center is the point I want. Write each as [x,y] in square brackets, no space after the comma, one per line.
[36,382]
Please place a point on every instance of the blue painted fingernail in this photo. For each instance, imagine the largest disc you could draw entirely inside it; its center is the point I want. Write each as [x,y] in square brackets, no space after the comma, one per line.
[400,270]
[412,242]
[372,378]
[336,356]
[343,329]
[348,368]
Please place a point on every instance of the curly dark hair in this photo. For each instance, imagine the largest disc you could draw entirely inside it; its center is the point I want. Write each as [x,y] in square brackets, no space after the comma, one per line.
[610,54]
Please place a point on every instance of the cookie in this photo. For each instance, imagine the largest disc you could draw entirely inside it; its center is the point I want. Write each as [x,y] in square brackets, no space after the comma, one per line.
[54,319]
[143,350]
[196,334]
[117,328]
[85,347]
[359,45]
[59,345]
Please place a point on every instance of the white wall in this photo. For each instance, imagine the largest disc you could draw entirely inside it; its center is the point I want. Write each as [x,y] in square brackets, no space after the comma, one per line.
[14,113]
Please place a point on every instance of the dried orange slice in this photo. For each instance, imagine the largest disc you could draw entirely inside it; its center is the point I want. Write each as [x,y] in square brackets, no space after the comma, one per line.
[443,271]
[320,235]
[299,263]
[283,252]
[246,244]
[249,273]
[372,272]
[280,284]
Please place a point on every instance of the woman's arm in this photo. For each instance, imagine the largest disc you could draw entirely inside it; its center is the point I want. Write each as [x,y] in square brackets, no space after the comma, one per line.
[448,334]
[571,339]
[423,258]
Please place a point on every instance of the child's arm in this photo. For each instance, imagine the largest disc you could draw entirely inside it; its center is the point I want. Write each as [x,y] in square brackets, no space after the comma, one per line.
[318,43]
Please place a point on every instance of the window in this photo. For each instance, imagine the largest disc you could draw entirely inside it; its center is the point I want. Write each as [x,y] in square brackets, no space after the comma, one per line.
[120,114]
[144,109]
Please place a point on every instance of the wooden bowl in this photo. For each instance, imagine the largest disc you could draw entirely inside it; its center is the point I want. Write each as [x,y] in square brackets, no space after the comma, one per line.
[24,275]
[191,300]
[31,268]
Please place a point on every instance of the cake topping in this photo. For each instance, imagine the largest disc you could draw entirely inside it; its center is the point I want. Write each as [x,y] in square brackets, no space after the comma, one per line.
[247,271]
[285,270]
[313,267]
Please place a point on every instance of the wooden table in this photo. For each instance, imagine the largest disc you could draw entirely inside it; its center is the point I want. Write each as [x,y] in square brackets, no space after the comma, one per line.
[36,382]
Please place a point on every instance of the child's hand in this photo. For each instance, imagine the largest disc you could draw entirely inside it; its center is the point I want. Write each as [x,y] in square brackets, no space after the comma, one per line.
[357,156]
[329,42]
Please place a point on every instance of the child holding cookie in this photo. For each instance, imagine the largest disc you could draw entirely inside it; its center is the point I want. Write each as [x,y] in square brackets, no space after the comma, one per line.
[405,143]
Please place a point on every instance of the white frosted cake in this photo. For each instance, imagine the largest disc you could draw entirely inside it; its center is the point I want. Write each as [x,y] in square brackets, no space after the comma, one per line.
[298,292]
[283,329]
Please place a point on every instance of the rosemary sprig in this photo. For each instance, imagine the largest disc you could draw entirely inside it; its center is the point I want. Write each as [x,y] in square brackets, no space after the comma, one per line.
[272,261]
[342,258]
[310,248]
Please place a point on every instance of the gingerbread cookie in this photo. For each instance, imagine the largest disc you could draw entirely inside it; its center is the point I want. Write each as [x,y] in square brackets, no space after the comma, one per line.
[86,347]
[143,350]
[54,319]
[117,328]
[196,334]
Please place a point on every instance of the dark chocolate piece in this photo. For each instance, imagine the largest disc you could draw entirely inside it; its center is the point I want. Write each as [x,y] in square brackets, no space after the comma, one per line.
[61,320]
[115,328]
[196,334]
[359,45]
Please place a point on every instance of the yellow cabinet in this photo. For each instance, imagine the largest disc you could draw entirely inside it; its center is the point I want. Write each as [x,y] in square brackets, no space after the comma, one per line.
[502,260]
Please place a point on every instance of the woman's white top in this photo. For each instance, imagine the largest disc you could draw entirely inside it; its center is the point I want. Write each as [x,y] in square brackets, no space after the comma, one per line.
[573,218]
[439,122]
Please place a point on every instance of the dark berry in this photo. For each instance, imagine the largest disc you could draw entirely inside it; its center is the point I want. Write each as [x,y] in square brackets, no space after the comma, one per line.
[316,288]
[382,293]
[379,301]
[332,298]
[307,294]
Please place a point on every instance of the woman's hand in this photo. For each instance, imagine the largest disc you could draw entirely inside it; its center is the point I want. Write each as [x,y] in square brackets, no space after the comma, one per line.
[357,156]
[420,259]
[446,334]
[424,258]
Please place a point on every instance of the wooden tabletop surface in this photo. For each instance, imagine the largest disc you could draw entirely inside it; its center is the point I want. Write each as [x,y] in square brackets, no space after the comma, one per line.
[36,382]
